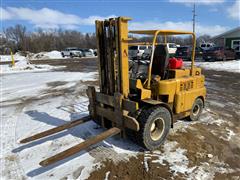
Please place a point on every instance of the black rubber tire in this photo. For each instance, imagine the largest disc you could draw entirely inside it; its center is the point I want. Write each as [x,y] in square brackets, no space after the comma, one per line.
[63,55]
[198,103]
[146,118]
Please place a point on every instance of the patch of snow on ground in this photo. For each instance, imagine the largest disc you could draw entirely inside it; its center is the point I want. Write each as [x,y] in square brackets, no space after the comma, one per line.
[32,84]
[107,175]
[145,162]
[230,66]
[22,64]
[179,163]
[29,106]
[7,58]
[175,156]
[229,135]
[207,172]
[46,55]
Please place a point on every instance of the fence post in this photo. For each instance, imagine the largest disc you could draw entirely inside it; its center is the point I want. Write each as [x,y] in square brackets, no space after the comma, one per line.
[12,58]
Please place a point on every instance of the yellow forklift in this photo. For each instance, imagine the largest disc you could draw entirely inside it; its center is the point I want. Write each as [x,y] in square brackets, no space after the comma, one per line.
[140,105]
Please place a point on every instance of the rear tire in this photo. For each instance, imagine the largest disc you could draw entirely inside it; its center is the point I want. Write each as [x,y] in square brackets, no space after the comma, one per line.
[155,123]
[196,110]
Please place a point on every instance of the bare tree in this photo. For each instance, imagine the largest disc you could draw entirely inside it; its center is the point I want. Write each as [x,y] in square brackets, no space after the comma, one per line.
[17,34]
[203,38]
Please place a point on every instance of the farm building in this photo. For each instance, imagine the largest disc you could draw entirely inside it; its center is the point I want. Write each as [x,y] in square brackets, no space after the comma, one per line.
[229,39]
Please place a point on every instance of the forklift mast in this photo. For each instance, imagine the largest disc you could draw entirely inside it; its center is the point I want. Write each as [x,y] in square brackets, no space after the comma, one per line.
[112,43]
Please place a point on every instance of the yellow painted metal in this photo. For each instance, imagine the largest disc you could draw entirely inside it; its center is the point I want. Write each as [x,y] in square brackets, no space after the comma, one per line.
[177,73]
[160,32]
[155,33]
[12,58]
[151,61]
[123,34]
[181,88]
[185,99]
[145,93]
[165,39]
[181,91]
[193,51]
[191,95]
[168,87]
[139,43]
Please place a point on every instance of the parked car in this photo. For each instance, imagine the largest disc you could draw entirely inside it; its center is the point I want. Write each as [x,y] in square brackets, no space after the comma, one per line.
[136,52]
[206,46]
[147,53]
[172,48]
[95,52]
[87,53]
[185,52]
[219,53]
[72,52]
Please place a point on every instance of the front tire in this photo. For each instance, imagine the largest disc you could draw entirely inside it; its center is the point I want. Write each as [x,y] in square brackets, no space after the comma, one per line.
[155,123]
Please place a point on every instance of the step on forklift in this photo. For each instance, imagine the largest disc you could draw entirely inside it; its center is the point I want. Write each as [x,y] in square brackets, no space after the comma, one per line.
[142,104]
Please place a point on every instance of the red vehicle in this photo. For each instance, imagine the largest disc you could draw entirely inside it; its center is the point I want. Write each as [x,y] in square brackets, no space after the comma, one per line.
[185,52]
[219,53]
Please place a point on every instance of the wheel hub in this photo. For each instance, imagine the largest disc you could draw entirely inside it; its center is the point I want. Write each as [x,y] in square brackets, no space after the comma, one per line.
[196,110]
[157,128]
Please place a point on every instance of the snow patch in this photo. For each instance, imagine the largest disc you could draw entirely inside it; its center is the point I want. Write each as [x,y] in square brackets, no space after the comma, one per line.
[207,172]
[107,175]
[22,64]
[145,162]
[7,58]
[179,163]
[46,55]
[229,135]
[29,108]
[230,66]
[175,157]
[32,84]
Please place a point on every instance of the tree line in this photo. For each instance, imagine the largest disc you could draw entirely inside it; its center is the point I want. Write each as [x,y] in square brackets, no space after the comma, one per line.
[19,39]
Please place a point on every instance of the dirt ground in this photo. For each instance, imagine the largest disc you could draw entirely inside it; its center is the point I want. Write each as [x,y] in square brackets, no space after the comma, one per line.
[72,65]
[210,145]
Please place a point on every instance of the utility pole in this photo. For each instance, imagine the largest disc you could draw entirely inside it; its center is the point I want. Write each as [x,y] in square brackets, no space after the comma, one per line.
[194,16]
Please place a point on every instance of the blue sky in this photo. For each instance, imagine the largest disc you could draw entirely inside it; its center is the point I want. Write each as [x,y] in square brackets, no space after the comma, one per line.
[213,16]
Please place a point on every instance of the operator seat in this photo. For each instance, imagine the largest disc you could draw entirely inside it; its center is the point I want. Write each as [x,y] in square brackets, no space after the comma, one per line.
[160,61]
